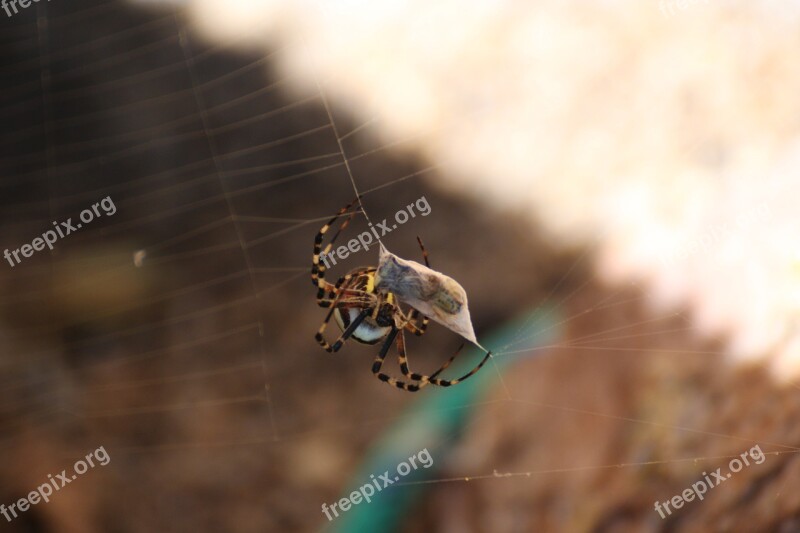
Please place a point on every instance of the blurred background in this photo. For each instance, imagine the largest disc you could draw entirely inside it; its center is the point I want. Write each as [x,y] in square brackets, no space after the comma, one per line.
[613,183]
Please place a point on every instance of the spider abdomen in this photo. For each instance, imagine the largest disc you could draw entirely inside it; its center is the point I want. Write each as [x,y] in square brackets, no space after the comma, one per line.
[368,332]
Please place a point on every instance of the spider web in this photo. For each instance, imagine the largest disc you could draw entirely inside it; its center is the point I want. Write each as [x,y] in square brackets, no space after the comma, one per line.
[221,177]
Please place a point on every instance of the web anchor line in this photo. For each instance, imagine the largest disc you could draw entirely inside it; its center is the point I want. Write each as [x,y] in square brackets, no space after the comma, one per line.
[344,155]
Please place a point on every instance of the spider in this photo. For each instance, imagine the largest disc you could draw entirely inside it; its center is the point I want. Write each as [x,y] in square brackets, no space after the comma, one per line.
[368,315]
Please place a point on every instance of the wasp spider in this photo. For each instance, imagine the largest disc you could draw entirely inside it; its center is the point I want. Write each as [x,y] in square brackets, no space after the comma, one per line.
[368,315]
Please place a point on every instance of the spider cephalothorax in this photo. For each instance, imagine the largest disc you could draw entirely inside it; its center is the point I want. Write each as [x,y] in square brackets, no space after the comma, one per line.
[369,311]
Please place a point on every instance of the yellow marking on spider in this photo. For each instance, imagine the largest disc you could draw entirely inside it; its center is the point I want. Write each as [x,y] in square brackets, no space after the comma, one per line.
[370,283]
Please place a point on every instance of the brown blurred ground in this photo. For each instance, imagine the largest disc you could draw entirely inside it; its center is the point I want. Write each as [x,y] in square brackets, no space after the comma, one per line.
[596,434]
